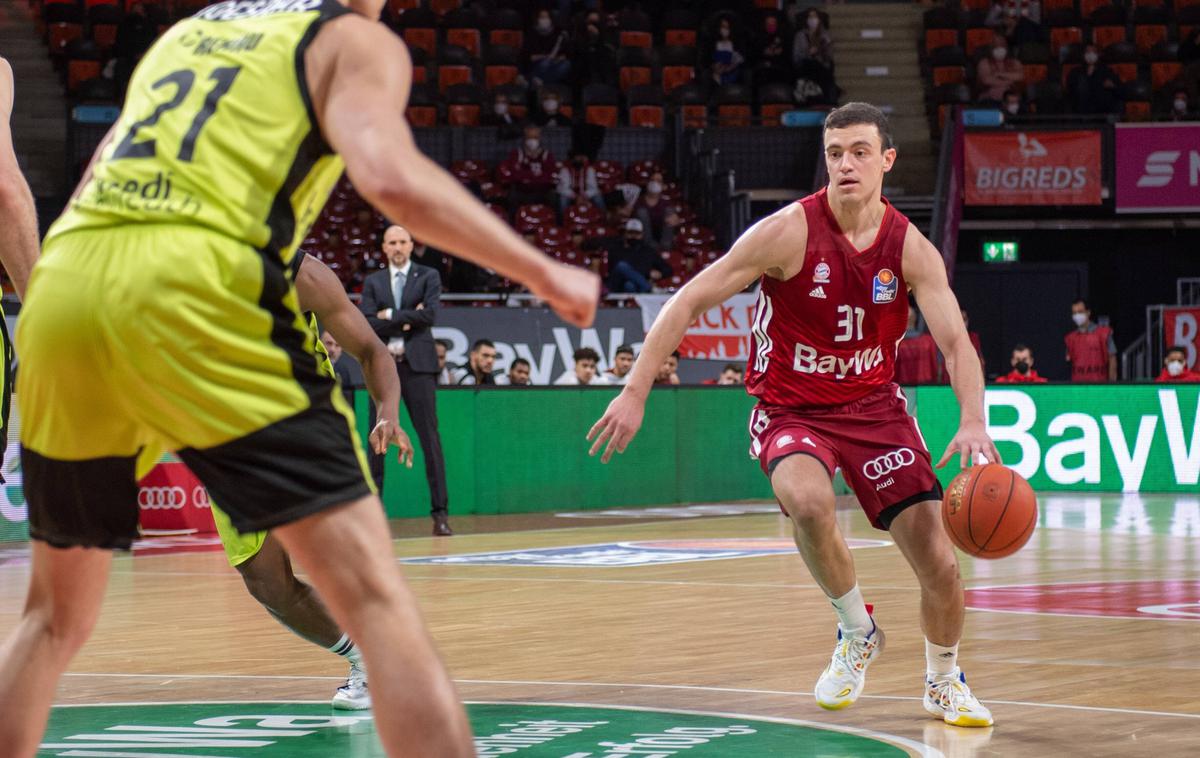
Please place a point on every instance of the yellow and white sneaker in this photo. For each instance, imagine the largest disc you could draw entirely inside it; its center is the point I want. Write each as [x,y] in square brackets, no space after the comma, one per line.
[949,698]
[842,681]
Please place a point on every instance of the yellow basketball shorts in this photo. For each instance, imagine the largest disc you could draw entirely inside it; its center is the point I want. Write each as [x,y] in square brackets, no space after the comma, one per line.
[152,337]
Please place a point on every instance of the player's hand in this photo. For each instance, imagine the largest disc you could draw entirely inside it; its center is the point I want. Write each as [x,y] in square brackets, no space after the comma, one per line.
[971,441]
[572,292]
[617,426]
[388,432]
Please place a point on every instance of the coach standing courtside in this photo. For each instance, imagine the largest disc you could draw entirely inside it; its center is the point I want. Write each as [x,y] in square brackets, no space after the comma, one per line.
[401,303]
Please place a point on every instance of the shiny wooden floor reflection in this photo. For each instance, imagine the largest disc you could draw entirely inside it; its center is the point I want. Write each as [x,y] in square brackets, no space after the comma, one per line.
[747,635]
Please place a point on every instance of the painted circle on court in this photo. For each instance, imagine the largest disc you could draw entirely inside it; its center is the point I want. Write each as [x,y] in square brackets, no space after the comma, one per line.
[745,543]
[1174,600]
[522,730]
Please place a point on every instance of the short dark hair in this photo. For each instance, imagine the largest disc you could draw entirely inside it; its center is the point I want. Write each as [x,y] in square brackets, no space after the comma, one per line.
[852,114]
[1175,349]
[586,354]
[1081,301]
[444,343]
[675,355]
[1020,348]
[624,349]
[733,367]
[481,343]
[519,362]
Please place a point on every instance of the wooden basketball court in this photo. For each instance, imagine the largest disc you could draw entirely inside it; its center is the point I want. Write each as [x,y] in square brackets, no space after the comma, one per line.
[1084,643]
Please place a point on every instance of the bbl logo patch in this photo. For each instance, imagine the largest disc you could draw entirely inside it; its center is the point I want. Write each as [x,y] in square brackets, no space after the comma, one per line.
[883,289]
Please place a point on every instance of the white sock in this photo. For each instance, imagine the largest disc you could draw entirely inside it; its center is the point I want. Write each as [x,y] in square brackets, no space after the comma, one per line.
[347,649]
[940,661]
[852,612]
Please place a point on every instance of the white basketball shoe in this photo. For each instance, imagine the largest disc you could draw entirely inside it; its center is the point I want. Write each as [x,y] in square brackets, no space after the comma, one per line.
[353,695]
[842,681]
[949,698]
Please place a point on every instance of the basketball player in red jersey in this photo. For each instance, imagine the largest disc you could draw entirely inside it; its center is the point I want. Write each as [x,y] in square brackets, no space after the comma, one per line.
[836,269]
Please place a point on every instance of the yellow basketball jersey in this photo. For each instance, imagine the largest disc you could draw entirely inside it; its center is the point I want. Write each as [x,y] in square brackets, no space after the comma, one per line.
[218,131]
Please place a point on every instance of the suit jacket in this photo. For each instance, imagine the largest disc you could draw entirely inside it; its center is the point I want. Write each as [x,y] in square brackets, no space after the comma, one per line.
[424,288]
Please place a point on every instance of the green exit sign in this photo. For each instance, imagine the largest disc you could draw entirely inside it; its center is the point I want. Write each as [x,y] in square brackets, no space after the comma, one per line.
[1000,252]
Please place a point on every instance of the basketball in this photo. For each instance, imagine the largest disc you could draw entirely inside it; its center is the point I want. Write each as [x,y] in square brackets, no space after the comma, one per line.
[989,511]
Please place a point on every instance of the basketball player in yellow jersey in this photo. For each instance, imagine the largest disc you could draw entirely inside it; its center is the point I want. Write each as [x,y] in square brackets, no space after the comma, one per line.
[264,565]
[18,236]
[162,315]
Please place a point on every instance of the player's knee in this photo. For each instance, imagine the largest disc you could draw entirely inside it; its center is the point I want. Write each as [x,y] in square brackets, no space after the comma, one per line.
[67,627]
[806,503]
[941,575]
[270,589]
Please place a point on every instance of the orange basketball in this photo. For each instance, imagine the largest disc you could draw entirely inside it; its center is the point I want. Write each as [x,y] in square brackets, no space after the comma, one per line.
[989,511]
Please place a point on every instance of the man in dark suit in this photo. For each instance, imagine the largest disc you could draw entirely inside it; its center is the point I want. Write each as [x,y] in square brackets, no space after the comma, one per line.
[401,304]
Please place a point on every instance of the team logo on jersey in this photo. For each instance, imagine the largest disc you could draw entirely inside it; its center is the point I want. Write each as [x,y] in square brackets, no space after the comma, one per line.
[821,273]
[817,292]
[883,289]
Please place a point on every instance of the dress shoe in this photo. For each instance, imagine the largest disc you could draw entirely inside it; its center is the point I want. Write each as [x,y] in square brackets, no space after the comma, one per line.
[441,527]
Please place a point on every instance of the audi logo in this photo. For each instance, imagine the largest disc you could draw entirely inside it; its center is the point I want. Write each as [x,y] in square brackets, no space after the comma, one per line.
[200,496]
[886,464]
[161,498]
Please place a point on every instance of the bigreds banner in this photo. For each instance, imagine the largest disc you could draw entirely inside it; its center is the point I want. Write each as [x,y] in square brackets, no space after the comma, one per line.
[1180,327]
[1158,168]
[721,333]
[1033,168]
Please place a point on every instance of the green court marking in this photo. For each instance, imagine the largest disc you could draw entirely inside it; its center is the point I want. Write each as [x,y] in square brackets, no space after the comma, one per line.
[521,730]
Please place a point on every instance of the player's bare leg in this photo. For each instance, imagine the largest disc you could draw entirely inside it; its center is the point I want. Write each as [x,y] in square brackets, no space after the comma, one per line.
[919,534]
[418,712]
[66,590]
[802,485]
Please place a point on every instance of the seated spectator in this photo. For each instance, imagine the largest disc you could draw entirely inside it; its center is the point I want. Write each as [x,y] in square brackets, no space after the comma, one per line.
[518,374]
[1175,367]
[812,55]
[1093,87]
[651,209]
[502,118]
[446,371]
[668,372]
[595,54]
[577,181]
[998,73]
[584,372]
[622,365]
[533,175]
[916,357]
[548,114]
[1022,367]
[1181,107]
[547,52]
[634,265]
[731,374]
[724,54]
[774,59]
[480,361]
[1014,105]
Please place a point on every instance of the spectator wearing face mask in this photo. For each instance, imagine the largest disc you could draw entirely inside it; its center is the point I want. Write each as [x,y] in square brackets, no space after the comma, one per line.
[577,181]
[1022,368]
[549,114]
[998,73]
[812,54]
[1091,350]
[1175,367]
[532,168]
[547,52]
[1014,106]
[1180,106]
[774,60]
[1094,87]
[501,117]
[634,265]
[725,54]
[651,209]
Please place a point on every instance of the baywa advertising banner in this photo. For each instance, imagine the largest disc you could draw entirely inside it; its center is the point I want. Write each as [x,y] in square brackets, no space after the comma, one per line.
[1033,167]
[1110,438]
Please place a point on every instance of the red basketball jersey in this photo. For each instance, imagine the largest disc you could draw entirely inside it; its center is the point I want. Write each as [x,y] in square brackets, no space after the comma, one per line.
[828,335]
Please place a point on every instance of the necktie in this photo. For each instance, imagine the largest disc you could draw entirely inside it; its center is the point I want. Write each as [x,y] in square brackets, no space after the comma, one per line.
[398,287]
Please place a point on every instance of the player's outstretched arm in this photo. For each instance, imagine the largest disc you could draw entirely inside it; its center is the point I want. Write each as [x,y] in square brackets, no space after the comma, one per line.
[18,215]
[359,76]
[925,272]
[320,291]
[774,245]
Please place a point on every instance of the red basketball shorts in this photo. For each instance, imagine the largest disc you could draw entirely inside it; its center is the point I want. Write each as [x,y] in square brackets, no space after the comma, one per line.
[873,440]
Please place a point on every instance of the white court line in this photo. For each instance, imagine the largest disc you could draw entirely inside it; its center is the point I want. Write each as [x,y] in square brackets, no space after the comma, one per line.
[921,749]
[623,685]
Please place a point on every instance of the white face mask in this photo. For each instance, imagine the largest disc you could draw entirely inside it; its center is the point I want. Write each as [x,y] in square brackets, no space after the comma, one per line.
[1174,368]
[532,145]
[550,106]
[501,108]
[1012,108]
[999,53]
[654,188]
[813,22]
[1181,105]
[1079,318]
[1090,58]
